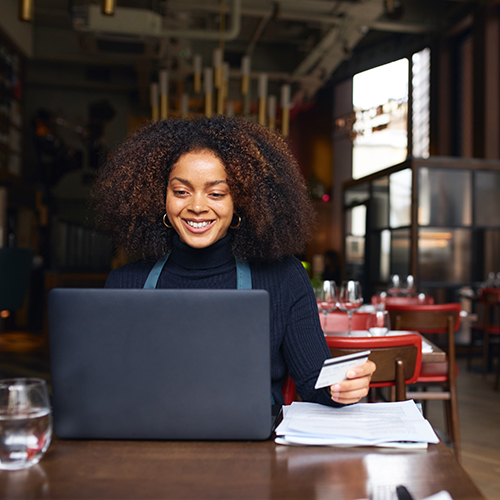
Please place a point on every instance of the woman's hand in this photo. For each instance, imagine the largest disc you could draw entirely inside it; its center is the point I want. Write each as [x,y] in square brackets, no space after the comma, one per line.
[356,386]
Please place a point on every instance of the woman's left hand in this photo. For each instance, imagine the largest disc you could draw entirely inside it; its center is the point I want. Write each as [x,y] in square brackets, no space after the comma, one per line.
[356,386]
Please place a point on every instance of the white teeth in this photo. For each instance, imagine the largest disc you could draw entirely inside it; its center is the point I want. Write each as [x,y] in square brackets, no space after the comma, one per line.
[198,224]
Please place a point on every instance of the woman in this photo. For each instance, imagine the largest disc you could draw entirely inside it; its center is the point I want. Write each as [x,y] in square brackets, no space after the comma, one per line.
[201,198]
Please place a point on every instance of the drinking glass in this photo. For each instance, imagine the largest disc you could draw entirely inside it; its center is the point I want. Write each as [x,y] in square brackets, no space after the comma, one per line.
[326,297]
[25,422]
[409,286]
[378,324]
[350,300]
[395,285]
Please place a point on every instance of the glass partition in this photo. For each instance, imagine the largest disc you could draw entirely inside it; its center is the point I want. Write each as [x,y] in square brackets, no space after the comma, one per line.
[451,239]
[444,255]
[487,198]
[357,194]
[444,197]
[400,198]
[380,203]
[400,252]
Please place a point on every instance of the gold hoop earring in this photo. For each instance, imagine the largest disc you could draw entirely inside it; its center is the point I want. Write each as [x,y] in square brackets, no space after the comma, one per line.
[239,222]
[164,219]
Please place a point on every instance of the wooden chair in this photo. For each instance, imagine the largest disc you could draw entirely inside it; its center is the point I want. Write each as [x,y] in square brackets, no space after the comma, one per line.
[15,272]
[398,358]
[435,319]
[490,298]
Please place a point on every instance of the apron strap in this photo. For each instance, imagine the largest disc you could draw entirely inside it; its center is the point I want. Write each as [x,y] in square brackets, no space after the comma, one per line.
[154,274]
[243,273]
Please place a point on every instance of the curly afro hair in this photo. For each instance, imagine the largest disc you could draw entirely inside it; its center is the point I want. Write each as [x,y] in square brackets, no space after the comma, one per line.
[266,185]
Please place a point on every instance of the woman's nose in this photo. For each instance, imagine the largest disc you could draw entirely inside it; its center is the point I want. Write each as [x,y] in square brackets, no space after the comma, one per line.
[198,203]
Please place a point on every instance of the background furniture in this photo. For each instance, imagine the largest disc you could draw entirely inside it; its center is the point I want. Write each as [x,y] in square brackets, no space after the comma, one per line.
[15,272]
[435,319]
[489,326]
[398,358]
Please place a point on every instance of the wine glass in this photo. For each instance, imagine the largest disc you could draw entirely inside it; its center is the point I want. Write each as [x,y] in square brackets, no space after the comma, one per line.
[326,297]
[350,300]
[395,285]
[378,324]
[408,288]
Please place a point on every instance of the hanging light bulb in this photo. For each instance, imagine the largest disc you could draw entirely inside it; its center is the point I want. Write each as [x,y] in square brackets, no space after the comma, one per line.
[271,111]
[217,64]
[163,77]
[153,96]
[262,98]
[108,7]
[285,106]
[208,84]
[245,72]
[26,9]
[197,73]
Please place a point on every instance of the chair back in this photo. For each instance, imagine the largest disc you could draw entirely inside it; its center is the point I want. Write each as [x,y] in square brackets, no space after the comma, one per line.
[337,321]
[403,301]
[430,319]
[15,272]
[398,358]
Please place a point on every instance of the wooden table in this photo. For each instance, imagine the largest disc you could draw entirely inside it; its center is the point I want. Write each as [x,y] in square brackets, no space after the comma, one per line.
[122,470]
[436,356]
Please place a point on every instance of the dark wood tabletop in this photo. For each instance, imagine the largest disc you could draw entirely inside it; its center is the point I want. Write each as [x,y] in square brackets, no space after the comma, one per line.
[121,470]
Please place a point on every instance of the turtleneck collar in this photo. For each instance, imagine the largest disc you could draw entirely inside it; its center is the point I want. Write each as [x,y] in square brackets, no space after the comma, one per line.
[215,255]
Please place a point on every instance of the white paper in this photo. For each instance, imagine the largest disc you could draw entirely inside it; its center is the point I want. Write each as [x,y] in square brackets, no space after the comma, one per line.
[362,424]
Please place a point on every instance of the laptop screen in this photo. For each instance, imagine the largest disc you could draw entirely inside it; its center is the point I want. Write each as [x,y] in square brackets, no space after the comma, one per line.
[160,364]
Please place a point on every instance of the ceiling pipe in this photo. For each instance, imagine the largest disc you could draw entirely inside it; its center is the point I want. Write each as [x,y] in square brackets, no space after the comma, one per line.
[143,22]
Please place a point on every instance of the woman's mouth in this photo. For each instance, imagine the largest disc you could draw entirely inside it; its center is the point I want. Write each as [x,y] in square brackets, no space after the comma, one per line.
[198,226]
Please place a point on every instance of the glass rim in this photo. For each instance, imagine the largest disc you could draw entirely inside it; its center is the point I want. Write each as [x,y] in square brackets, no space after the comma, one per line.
[22,380]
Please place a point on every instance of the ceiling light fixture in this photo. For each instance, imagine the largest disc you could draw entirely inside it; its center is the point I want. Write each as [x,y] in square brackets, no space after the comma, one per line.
[108,7]
[26,9]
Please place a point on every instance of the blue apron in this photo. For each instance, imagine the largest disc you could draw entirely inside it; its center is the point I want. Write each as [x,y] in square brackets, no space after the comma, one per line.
[243,278]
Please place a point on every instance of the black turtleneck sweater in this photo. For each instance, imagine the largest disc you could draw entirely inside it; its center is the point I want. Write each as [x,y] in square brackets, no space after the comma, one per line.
[297,342]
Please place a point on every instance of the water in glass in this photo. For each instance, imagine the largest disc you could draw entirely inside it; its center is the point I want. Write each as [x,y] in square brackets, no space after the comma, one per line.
[25,422]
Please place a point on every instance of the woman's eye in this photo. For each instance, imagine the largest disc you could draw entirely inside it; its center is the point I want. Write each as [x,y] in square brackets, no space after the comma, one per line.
[179,192]
[217,195]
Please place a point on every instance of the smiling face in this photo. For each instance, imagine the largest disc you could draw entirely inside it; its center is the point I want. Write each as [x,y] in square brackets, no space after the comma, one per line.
[199,204]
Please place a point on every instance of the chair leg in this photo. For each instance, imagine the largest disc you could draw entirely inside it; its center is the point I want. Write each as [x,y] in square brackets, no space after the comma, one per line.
[471,351]
[486,342]
[454,428]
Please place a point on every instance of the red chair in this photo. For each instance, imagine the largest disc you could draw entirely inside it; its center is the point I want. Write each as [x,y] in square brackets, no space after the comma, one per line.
[490,298]
[288,390]
[398,358]
[435,319]
[337,321]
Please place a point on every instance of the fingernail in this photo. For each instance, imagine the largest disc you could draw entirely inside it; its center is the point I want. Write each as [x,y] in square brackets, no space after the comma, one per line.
[351,374]
[336,388]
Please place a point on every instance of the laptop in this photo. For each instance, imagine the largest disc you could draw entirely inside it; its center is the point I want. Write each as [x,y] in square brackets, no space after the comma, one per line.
[160,364]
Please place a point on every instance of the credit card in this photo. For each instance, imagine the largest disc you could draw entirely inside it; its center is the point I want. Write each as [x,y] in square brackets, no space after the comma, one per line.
[334,370]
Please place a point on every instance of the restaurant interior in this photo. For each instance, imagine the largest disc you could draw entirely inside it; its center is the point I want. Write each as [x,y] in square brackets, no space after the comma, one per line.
[391,108]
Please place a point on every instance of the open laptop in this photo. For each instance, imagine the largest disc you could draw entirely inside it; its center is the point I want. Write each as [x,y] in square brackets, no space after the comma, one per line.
[160,364]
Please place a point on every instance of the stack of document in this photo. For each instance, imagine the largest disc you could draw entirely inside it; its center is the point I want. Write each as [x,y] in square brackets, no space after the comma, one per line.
[390,425]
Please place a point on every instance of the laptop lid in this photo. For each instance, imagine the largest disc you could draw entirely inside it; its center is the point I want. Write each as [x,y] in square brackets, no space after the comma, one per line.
[160,364]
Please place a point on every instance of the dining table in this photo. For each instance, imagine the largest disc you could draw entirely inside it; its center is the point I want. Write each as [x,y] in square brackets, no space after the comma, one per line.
[154,470]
